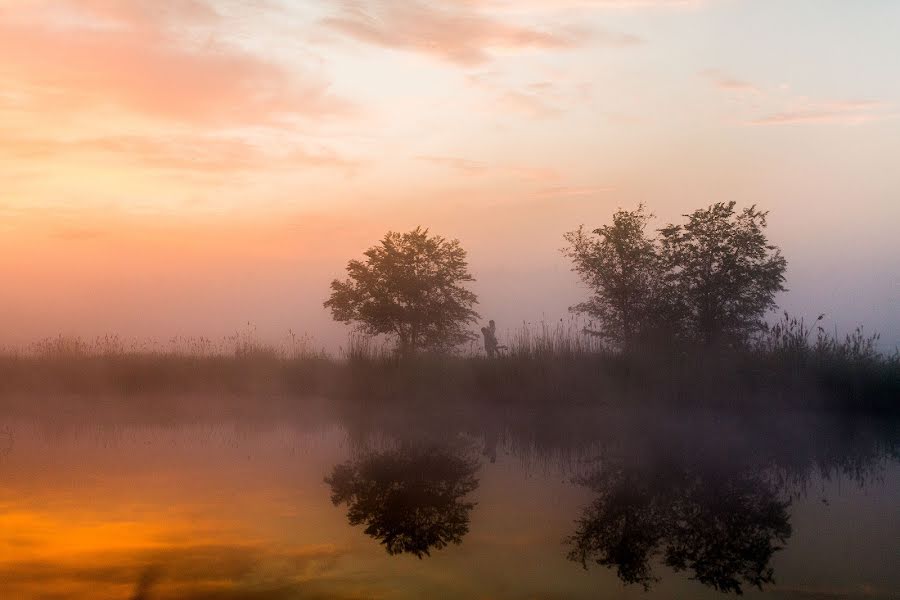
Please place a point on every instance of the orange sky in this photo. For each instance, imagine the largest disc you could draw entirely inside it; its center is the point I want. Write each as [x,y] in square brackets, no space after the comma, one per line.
[182,168]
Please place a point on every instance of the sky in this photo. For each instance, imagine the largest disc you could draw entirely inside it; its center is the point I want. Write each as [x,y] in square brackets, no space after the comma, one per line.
[189,167]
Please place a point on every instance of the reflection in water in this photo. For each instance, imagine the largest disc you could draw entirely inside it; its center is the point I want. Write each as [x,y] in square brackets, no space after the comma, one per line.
[145,584]
[708,496]
[689,506]
[411,499]
[722,527]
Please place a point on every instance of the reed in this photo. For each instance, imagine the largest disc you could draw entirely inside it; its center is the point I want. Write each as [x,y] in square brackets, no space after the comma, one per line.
[790,364]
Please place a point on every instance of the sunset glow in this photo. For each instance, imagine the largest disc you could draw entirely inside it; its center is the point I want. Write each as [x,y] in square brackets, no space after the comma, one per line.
[186,167]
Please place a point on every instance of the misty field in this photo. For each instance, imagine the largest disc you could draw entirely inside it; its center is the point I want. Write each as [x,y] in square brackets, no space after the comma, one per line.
[556,365]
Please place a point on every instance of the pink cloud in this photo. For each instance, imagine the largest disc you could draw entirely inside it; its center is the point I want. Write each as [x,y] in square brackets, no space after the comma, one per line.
[454,31]
[133,13]
[469,167]
[799,109]
[539,99]
[573,191]
[472,167]
[529,104]
[724,81]
[841,112]
[103,53]
[181,153]
[581,4]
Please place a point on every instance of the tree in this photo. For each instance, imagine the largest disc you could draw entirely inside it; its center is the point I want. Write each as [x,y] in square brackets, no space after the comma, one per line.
[725,272]
[722,527]
[410,499]
[710,280]
[410,287]
[619,263]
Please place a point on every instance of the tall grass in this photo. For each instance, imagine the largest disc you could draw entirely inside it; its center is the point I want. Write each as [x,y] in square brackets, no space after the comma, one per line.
[790,364]
[791,339]
[237,364]
[849,369]
[564,338]
[243,343]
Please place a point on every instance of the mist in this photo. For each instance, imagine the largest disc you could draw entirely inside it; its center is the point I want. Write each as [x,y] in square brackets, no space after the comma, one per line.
[455,299]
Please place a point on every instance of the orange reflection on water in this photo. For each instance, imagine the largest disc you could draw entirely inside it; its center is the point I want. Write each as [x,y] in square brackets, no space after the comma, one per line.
[131,519]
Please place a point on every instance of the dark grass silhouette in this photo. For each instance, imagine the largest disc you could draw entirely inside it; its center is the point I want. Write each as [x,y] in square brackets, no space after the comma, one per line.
[791,365]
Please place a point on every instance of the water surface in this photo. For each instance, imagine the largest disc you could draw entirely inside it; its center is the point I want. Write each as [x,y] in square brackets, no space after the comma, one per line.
[385,504]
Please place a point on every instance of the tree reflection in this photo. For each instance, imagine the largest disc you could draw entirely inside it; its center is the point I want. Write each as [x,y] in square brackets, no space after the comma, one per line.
[722,527]
[703,493]
[410,499]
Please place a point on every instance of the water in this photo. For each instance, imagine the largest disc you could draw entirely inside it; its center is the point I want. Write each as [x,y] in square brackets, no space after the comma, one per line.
[493,505]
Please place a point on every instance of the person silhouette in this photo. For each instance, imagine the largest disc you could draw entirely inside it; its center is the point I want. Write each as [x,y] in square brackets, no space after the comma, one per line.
[491,346]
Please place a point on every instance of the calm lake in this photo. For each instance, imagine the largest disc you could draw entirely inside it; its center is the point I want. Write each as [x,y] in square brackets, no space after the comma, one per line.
[313,502]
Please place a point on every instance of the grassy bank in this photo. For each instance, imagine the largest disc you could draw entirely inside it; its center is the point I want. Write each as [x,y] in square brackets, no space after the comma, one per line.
[790,366]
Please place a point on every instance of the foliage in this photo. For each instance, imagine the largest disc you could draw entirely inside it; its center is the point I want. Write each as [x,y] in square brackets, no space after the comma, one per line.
[410,499]
[410,287]
[724,271]
[710,280]
[621,266]
[722,527]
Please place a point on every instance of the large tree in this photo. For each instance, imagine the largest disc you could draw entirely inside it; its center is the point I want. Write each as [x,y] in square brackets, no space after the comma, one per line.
[410,499]
[710,280]
[727,273]
[411,286]
[619,263]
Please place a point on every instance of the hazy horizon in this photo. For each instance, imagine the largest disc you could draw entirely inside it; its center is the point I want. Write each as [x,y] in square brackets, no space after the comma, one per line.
[187,169]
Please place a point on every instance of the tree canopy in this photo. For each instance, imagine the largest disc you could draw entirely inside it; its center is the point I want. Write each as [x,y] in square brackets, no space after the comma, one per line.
[727,273]
[709,280]
[410,499]
[721,527]
[410,287]
[621,266]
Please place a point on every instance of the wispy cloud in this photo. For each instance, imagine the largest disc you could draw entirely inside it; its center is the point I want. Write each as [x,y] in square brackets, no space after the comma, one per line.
[558,5]
[184,153]
[724,81]
[549,96]
[838,112]
[455,31]
[473,167]
[464,165]
[781,107]
[143,57]
[564,191]
[71,234]
[526,103]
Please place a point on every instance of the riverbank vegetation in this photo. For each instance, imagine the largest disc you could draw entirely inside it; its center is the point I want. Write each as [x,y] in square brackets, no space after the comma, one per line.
[789,365]
[679,316]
